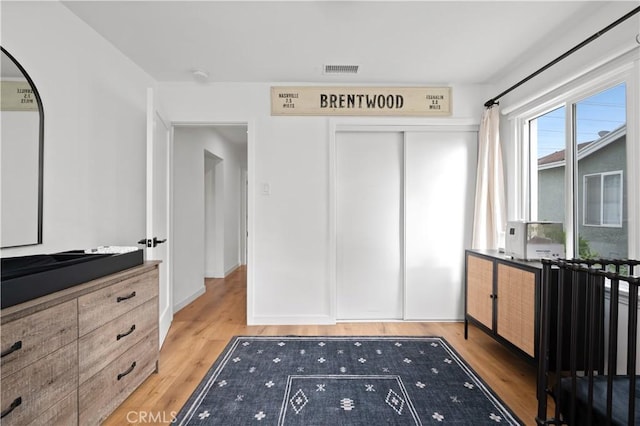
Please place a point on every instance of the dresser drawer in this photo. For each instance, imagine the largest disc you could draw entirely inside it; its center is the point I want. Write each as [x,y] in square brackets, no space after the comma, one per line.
[40,386]
[32,337]
[100,347]
[98,308]
[64,413]
[102,393]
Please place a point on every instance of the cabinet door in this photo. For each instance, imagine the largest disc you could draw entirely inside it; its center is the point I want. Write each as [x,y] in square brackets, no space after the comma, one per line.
[516,307]
[480,289]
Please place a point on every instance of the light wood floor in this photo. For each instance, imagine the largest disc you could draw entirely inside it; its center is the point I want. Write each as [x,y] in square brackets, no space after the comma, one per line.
[201,330]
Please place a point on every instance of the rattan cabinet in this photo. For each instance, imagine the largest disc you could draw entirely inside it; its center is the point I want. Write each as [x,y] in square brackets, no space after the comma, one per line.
[503,298]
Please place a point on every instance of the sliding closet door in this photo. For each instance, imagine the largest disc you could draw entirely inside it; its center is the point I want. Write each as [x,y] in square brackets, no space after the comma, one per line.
[369,225]
[440,184]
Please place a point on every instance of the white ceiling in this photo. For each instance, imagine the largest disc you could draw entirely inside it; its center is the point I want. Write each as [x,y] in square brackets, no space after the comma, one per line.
[393,42]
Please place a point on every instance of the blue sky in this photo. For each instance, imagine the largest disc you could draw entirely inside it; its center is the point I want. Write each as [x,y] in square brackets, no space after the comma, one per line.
[603,111]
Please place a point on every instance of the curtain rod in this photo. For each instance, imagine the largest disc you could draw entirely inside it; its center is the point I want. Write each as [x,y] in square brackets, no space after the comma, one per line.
[494,100]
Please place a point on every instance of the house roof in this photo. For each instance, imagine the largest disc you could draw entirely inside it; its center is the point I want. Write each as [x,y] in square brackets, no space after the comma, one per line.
[559,155]
[557,159]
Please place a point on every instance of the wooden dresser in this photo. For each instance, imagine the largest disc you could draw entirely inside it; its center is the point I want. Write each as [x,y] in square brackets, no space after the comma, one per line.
[73,356]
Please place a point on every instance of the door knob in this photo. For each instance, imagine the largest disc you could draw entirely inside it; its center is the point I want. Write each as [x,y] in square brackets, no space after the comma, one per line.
[151,242]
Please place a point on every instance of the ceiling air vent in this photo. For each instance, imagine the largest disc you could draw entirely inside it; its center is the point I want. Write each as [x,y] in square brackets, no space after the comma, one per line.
[341,69]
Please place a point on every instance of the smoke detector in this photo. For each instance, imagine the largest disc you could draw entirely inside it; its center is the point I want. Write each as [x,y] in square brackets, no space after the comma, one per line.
[341,69]
[200,76]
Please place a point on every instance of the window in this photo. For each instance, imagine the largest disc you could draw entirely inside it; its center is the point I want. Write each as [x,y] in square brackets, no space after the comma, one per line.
[603,199]
[577,160]
[547,144]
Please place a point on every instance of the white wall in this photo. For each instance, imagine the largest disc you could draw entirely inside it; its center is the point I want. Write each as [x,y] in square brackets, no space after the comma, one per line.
[94,175]
[213,216]
[289,266]
[94,179]
[190,145]
[94,137]
[622,328]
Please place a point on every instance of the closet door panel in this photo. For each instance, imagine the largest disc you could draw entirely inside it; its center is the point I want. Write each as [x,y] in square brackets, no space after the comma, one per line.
[369,223]
[439,195]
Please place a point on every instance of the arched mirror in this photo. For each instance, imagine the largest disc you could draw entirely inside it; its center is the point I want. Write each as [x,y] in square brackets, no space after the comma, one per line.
[21,149]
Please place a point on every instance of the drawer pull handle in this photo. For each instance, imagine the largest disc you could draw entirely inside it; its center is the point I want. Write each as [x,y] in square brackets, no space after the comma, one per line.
[16,402]
[123,298]
[129,370]
[120,336]
[17,345]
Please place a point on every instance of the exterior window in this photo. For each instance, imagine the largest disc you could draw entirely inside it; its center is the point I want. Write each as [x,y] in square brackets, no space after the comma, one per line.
[577,160]
[547,139]
[600,146]
[603,199]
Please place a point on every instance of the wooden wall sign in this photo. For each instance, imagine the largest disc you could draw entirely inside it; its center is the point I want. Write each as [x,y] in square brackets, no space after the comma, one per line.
[17,96]
[386,101]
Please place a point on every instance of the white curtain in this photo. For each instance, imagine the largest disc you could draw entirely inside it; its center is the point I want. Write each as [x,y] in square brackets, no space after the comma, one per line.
[489,219]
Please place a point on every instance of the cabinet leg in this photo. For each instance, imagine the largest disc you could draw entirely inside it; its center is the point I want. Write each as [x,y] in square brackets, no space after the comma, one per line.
[466,329]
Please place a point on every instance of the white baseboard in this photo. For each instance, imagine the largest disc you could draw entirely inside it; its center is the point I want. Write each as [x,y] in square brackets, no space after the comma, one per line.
[231,270]
[291,320]
[398,320]
[189,299]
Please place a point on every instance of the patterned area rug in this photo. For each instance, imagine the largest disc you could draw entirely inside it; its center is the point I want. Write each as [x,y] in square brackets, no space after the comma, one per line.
[342,381]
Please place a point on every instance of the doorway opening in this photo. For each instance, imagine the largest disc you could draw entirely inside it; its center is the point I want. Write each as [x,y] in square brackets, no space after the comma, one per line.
[210,204]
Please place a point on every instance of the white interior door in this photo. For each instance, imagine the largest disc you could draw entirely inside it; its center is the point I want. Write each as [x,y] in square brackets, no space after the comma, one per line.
[158,207]
[369,224]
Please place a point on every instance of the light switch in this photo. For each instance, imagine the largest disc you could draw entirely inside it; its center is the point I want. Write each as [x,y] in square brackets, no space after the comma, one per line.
[266,189]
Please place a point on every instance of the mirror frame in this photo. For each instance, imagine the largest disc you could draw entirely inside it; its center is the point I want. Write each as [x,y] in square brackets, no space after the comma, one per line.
[40,146]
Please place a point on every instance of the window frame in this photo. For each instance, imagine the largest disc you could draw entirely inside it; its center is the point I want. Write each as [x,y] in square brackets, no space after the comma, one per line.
[623,69]
[601,201]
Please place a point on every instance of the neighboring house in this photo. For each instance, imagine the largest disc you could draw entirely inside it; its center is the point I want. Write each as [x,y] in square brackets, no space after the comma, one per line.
[602,198]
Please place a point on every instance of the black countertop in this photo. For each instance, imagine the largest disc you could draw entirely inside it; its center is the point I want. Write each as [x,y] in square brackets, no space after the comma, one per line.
[506,258]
